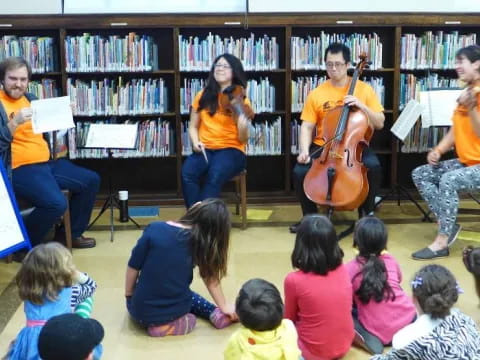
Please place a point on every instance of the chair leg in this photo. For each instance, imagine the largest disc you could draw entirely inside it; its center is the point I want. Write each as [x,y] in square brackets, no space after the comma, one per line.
[243,194]
[238,194]
[67,224]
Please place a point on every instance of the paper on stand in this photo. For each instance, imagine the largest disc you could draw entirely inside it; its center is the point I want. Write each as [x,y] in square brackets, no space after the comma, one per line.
[407,119]
[112,136]
[438,107]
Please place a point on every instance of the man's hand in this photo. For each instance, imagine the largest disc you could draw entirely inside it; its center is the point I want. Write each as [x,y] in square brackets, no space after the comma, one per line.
[351,100]
[22,116]
[303,158]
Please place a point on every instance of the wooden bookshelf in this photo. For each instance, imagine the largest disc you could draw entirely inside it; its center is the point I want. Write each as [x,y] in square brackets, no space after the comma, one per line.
[269,177]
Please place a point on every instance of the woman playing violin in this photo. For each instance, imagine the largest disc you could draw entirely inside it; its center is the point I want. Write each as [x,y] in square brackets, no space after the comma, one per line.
[439,182]
[325,97]
[218,131]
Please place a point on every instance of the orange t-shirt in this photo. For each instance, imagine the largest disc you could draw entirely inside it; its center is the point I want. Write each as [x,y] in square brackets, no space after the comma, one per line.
[218,131]
[27,147]
[467,143]
[325,97]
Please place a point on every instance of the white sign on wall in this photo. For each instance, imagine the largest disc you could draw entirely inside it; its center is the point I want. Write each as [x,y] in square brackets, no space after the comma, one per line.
[153,6]
[301,6]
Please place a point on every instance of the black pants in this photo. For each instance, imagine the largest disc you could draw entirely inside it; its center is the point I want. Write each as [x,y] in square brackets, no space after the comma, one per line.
[374,176]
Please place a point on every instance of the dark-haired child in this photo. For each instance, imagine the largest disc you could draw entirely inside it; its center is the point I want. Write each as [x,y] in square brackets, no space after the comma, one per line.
[265,334]
[471,260]
[160,271]
[440,332]
[381,306]
[318,296]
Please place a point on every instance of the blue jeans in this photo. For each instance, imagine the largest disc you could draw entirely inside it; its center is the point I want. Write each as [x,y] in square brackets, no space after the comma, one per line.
[41,184]
[201,180]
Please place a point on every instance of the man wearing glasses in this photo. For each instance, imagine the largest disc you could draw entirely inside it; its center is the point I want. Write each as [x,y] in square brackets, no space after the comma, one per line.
[325,97]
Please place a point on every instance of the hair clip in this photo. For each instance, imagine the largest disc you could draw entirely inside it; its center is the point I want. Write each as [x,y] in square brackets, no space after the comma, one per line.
[418,281]
[459,289]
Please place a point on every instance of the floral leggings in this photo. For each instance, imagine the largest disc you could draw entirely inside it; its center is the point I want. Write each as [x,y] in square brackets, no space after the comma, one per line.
[439,185]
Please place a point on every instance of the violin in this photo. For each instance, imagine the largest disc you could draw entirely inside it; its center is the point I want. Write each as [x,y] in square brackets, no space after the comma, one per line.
[232,99]
[338,178]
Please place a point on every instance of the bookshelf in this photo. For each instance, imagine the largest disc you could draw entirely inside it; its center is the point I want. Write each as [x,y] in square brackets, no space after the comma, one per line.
[156,178]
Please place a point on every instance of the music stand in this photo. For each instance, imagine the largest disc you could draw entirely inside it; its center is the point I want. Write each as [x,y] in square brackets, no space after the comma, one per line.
[111,137]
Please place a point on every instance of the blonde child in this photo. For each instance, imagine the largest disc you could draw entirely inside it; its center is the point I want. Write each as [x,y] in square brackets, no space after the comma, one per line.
[50,285]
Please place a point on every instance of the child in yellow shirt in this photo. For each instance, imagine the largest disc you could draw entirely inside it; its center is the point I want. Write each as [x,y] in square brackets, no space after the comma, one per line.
[264,335]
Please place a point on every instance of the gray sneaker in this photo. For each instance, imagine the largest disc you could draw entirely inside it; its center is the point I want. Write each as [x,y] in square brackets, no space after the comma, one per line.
[454,235]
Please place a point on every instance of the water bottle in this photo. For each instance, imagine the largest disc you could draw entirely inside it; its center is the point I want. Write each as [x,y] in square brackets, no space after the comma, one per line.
[123,202]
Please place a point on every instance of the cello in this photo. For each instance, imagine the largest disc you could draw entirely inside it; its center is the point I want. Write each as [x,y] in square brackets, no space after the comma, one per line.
[338,178]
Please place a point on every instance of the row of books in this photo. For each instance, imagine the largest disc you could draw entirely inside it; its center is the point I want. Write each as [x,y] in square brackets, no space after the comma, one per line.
[295,136]
[90,53]
[265,138]
[422,139]
[308,53]
[255,54]
[114,97]
[43,89]
[190,89]
[411,85]
[260,92]
[155,138]
[433,50]
[302,86]
[40,52]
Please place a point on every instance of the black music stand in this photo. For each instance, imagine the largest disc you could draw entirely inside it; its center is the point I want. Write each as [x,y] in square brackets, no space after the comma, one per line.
[111,137]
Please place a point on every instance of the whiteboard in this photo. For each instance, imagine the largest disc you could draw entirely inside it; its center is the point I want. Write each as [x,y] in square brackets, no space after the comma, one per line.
[12,231]
[432,6]
[153,6]
[30,7]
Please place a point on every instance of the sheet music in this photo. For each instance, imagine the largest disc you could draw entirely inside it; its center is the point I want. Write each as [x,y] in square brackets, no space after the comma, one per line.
[438,107]
[407,119]
[10,231]
[112,136]
[51,114]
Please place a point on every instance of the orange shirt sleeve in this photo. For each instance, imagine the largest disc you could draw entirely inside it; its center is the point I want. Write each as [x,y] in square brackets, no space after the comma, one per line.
[372,100]
[309,113]
[196,100]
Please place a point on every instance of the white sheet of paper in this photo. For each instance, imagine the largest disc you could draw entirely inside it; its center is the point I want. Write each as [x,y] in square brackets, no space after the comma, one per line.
[407,119]
[438,107]
[51,114]
[10,231]
[112,136]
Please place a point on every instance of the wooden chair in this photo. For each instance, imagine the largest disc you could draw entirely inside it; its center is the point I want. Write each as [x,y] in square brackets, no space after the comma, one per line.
[26,209]
[241,196]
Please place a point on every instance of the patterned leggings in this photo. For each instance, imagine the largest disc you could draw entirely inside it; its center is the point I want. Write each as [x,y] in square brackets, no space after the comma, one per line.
[439,185]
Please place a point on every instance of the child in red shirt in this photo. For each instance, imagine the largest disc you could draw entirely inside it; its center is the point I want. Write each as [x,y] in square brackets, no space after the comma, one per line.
[318,296]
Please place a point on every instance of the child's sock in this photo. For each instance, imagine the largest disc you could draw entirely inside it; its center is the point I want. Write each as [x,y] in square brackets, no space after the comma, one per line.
[219,319]
[84,309]
[181,326]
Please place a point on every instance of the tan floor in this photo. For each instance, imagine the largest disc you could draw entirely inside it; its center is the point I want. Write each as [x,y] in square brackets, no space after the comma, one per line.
[256,252]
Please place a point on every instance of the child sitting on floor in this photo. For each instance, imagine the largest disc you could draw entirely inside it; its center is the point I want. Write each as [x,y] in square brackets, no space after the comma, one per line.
[264,335]
[440,332]
[381,307]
